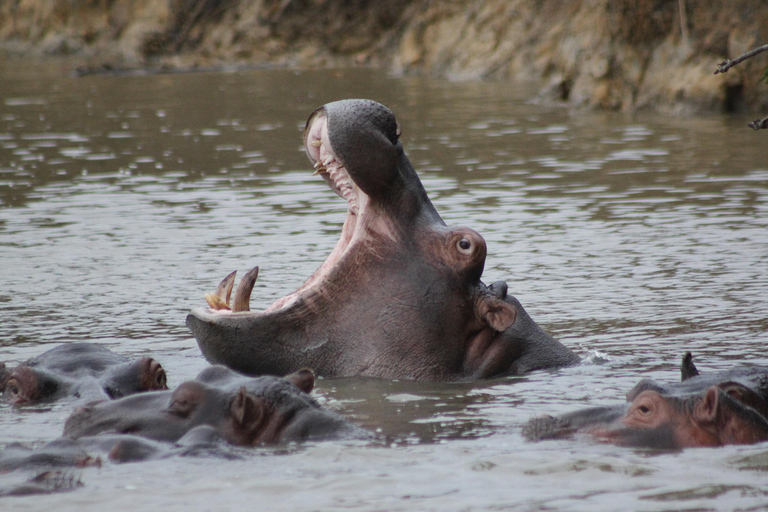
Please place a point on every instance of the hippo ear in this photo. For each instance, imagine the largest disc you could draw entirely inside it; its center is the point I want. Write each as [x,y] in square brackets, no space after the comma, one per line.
[687,368]
[496,313]
[303,379]
[706,410]
[743,394]
[249,411]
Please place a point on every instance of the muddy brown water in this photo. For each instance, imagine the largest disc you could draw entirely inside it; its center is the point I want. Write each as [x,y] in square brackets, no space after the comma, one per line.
[123,199]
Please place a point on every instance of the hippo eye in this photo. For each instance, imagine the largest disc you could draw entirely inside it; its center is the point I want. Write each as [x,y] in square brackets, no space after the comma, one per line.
[464,246]
[160,381]
[644,409]
[182,408]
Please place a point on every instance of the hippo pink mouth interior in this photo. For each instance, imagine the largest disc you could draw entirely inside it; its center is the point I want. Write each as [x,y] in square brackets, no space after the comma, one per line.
[357,223]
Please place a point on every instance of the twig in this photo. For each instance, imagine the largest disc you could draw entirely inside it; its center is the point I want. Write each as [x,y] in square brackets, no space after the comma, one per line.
[683,23]
[728,63]
[197,9]
[759,124]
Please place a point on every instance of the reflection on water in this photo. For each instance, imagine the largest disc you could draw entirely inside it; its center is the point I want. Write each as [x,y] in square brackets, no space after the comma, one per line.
[631,238]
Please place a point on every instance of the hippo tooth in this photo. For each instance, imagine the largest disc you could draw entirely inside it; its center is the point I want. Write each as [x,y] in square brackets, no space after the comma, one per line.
[316,143]
[244,289]
[215,302]
[224,290]
[320,168]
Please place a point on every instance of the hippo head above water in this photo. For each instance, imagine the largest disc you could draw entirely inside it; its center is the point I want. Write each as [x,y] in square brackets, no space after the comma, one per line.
[222,404]
[82,370]
[729,407]
[400,295]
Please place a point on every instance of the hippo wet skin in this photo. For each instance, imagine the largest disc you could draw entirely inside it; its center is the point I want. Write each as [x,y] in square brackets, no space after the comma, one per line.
[218,404]
[83,370]
[42,470]
[400,295]
[704,410]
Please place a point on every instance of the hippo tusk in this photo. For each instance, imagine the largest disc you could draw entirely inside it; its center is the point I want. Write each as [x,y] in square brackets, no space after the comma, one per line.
[220,299]
[215,302]
[244,289]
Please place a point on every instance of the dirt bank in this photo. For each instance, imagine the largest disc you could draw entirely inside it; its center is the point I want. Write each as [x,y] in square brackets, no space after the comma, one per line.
[617,54]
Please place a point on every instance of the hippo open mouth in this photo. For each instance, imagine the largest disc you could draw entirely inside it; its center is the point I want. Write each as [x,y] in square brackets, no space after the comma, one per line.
[357,226]
[400,295]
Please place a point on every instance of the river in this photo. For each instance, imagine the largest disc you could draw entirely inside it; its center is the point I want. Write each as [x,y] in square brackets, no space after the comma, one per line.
[630,238]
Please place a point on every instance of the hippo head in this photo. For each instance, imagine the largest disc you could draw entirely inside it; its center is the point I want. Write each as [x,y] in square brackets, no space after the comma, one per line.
[400,295]
[655,420]
[80,370]
[241,410]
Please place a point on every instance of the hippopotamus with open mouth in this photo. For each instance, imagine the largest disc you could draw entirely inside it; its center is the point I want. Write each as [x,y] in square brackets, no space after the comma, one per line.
[400,295]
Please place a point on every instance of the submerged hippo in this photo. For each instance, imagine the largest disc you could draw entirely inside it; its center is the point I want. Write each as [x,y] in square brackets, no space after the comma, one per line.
[714,410]
[46,469]
[84,370]
[59,465]
[400,296]
[218,404]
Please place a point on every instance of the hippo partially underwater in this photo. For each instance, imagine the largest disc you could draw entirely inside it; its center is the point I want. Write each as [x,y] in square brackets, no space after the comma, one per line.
[400,296]
[81,370]
[723,408]
[205,417]
[219,404]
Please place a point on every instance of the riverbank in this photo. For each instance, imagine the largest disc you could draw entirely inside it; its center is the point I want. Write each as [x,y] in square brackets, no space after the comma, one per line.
[622,55]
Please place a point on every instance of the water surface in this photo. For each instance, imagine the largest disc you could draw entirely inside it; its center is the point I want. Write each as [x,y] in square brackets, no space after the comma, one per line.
[632,239]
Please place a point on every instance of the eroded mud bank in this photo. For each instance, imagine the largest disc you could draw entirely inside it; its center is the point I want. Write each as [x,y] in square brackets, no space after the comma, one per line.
[623,54]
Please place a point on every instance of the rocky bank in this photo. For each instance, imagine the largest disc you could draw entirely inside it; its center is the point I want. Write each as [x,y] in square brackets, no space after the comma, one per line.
[615,54]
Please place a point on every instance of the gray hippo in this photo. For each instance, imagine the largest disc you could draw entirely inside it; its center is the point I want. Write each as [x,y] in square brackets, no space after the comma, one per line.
[82,370]
[50,468]
[201,418]
[703,410]
[400,295]
[219,404]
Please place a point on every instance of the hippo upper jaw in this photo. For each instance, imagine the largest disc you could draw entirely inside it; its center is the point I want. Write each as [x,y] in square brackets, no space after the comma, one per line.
[366,221]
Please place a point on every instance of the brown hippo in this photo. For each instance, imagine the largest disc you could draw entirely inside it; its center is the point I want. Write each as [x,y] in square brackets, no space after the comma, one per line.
[218,404]
[400,295]
[714,410]
[83,370]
